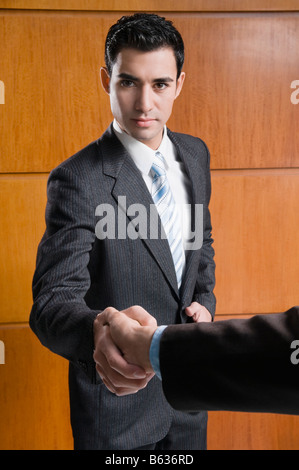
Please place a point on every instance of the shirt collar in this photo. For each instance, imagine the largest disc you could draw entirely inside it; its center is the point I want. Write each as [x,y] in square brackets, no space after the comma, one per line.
[142,155]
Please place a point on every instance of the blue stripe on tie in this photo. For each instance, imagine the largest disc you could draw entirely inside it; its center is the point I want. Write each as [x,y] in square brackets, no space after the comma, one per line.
[167,210]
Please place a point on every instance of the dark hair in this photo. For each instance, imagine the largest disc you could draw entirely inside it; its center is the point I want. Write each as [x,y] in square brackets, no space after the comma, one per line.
[146,32]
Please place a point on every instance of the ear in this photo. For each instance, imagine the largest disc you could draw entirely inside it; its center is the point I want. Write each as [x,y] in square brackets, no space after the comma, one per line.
[179,84]
[105,79]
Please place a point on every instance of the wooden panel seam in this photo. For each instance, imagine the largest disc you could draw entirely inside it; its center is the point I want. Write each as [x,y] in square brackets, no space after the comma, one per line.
[18,325]
[283,171]
[132,5]
[221,316]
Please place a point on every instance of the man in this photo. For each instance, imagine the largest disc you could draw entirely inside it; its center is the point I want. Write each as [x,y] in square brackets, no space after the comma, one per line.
[236,365]
[87,261]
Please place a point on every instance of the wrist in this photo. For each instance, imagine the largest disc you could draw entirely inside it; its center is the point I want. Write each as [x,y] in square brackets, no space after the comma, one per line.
[146,334]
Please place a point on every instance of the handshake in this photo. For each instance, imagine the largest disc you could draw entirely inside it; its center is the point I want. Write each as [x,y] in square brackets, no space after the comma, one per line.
[122,346]
[245,365]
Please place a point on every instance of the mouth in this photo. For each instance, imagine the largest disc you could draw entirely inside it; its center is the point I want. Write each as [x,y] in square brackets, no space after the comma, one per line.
[143,122]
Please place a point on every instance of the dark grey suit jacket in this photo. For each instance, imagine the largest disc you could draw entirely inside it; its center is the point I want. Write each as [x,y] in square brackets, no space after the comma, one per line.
[234,365]
[78,275]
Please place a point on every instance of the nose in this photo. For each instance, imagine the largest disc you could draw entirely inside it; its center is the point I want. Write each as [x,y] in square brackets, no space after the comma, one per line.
[144,99]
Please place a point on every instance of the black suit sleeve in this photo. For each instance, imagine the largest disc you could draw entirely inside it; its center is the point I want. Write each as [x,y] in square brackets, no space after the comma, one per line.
[59,316]
[236,365]
[205,282]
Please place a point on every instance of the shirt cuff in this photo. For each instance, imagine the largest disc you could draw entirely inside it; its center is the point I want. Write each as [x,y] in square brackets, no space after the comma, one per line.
[155,350]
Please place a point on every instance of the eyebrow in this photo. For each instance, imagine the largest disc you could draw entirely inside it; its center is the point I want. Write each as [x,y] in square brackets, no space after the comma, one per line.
[127,76]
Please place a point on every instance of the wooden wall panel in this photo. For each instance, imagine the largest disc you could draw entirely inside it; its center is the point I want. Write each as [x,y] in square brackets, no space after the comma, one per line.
[22,202]
[255,226]
[53,105]
[236,96]
[154,5]
[34,405]
[240,67]
[252,431]
[237,91]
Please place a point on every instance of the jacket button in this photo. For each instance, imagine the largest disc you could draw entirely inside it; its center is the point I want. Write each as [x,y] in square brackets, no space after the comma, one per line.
[82,364]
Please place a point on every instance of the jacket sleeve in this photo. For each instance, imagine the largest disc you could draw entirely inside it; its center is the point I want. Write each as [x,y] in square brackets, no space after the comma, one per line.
[232,365]
[60,317]
[205,282]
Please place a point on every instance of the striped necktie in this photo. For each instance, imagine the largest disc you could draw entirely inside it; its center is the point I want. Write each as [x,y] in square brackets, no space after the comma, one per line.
[164,201]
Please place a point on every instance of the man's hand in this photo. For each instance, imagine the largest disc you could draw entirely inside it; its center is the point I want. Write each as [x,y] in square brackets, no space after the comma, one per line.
[198,312]
[112,362]
[133,339]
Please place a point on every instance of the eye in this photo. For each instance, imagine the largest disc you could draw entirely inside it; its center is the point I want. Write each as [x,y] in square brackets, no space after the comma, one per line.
[161,86]
[127,83]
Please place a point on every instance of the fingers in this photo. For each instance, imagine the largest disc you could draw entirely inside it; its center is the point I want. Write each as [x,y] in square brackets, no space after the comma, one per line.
[105,317]
[133,339]
[117,383]
[117,372]
[198,312]
[119,376]
[108,355]
[193,311]
[142,316]
[135,313]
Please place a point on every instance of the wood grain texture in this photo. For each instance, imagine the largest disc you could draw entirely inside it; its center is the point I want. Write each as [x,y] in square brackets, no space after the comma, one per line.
[236,95]
[255,218]
[22,202]
[53,103]
[154,5]
[252,431]
[237,88]
[34,405]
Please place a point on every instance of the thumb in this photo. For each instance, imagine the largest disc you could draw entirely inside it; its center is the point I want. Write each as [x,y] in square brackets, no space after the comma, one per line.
[142,316]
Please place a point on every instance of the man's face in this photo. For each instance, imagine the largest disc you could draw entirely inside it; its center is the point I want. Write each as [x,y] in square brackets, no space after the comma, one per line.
[142,89]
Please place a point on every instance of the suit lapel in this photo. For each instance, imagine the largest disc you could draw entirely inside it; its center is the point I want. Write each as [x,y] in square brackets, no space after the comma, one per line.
[130,189]
[190,159]
[129,184]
